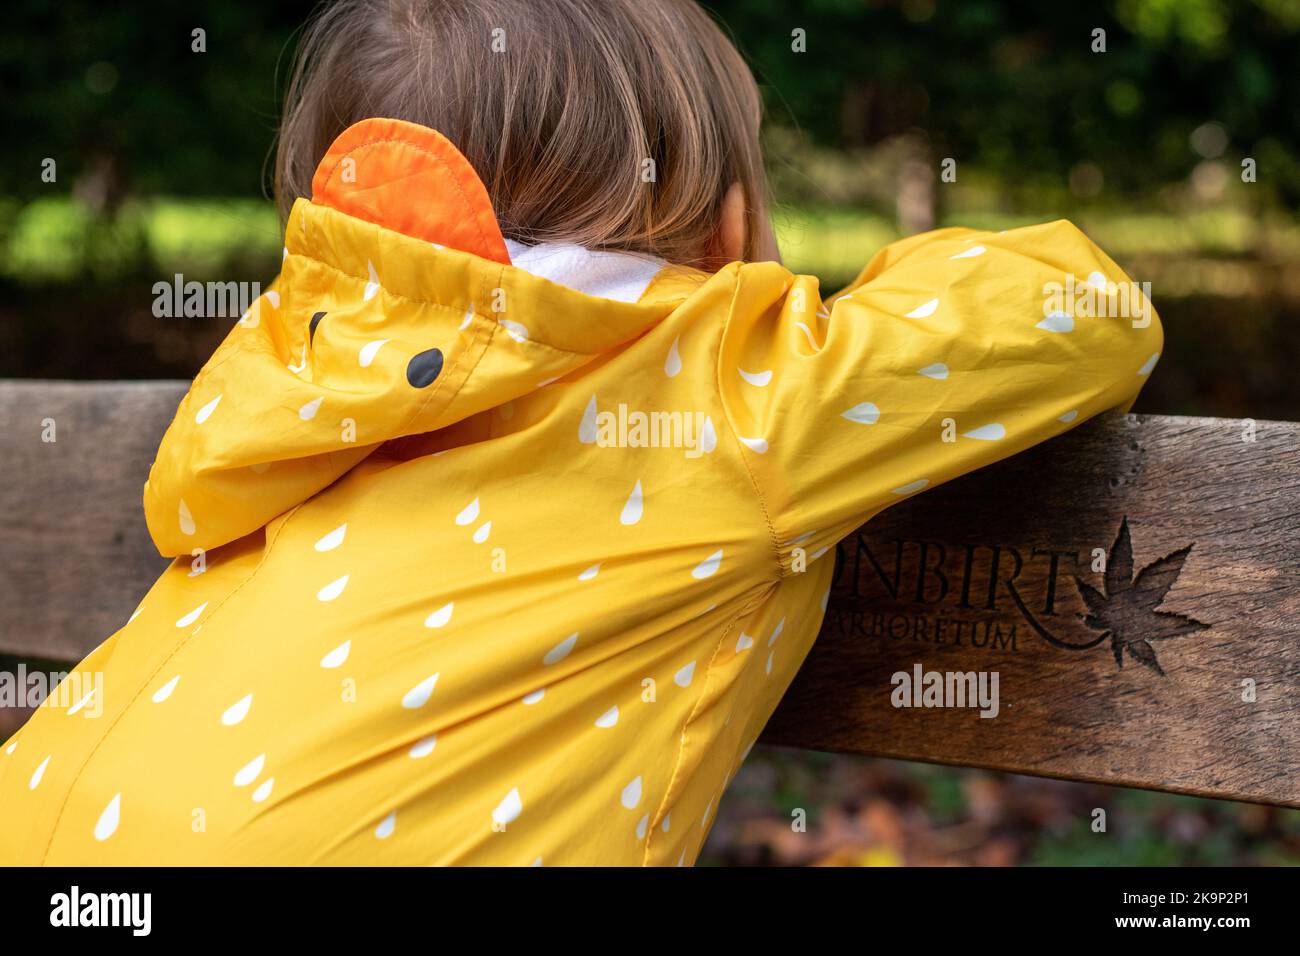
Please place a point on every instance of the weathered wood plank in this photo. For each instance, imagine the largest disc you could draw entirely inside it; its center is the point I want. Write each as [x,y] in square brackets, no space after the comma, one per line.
[76,559]
[1176,714]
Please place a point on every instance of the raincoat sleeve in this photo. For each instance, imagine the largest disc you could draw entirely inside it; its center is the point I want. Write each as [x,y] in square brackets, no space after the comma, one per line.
[951,350]
[236,454]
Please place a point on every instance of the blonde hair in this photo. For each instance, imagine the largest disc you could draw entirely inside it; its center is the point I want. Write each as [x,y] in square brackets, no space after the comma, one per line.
[562,107]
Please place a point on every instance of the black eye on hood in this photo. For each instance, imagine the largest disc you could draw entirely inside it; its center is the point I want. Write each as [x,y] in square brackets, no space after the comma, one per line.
[424,368]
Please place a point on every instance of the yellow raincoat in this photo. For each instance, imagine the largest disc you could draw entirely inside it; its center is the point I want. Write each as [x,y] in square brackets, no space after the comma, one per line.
[474,568]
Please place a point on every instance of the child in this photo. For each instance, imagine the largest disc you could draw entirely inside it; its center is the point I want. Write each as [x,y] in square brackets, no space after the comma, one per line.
[504,519]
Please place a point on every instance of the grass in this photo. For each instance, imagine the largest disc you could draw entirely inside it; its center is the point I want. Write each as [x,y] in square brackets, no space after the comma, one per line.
[58,240]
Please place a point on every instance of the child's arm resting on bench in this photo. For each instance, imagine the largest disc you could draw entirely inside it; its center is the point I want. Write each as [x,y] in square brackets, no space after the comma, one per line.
[952,350]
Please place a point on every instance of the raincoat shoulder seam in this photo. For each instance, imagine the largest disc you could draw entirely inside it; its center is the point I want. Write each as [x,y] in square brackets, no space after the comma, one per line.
[740,446]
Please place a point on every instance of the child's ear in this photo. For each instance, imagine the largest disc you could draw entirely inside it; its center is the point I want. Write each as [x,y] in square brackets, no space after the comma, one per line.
[728,242]
[733,224]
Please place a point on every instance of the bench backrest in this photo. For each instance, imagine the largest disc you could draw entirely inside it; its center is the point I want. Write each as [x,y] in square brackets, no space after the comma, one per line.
[1134,585]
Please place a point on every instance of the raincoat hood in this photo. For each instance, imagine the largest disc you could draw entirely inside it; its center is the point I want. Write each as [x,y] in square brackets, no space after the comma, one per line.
[418,321]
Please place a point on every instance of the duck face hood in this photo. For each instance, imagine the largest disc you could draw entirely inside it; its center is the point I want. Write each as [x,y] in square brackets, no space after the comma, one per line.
[397,313]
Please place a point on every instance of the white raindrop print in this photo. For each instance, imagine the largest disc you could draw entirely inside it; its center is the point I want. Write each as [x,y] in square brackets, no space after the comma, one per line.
[468,514]
[991,432]
[419,695]
[423,747]
[937,371]
[970,253]
[757,445]
[250,771]
[864,413]
[106,826]
[332,540]
[368,352]
[634,507]
[673,363]
[561,650]
[165,691]
[482,531]
[608,719]
[337,657]
[1057,322]
[776,632]
[76,708]
[332,590]
[193,616]
[535,697]
[631,796]
[910,487]
[186,519]
[440,617]
[1149,364]
[757,379]
[807,332]
[1068,416]
[744,642]
[35,780]
[708,567]
[373,285]
[708,437]
[684,676]
[508,810]
[308,411]
[263,790]
[924,310]
[386,826]
[206,411]
[237,711]
[590,573]
[641,826]
[513,329]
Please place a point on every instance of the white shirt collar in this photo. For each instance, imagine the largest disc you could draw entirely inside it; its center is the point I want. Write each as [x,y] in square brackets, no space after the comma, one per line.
[622,276]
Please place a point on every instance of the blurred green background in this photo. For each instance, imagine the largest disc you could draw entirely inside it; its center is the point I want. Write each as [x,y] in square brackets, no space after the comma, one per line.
[161,160]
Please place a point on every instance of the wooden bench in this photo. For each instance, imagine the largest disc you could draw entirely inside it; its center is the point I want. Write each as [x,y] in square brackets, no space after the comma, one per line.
[1179,670]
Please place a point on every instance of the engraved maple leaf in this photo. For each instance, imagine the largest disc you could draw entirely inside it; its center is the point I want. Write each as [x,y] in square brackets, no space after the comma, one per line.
[1127,610]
